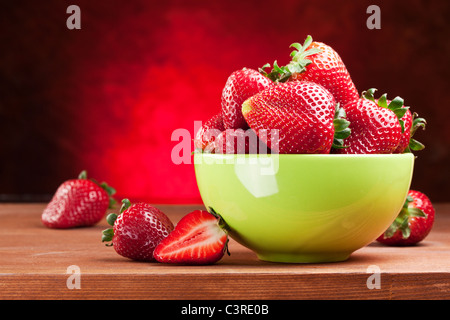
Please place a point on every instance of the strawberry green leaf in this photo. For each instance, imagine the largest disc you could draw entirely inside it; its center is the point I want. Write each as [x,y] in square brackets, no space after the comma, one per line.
[400,112]
[125,205]
[83,175]
[416,212]
[297,65]
[382,101]
[111,218]
[341,127]
[369,94]
[415,145]
[396,103]
[107,236]
[417,123]
[340,124]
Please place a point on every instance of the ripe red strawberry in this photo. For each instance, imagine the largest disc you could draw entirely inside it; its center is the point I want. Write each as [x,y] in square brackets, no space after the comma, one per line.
[208,133]
[302,112]
[376,127]
[317,62]
[78,203]
[137,230]
[240,85]
[239,141]
[198,238]
[413,223]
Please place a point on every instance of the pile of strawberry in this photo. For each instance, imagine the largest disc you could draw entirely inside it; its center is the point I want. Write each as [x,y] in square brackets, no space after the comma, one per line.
[312,106]
[308,106]
[140,231]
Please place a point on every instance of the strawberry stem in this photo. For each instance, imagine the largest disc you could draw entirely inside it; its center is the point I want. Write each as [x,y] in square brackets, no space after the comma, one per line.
[297,65]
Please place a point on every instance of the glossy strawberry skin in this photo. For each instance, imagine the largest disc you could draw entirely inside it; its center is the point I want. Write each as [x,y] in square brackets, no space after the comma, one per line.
[328,70]
[419,227]
[197,239]
[76,203]
[301,111]
[138,230]
[208,132]
[240,85]
[374,130]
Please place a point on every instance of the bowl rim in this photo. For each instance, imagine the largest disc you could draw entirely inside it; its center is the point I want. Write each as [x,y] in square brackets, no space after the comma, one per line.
[302,155]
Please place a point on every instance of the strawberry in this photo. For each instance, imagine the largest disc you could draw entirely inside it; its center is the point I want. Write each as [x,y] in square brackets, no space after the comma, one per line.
[208,133]
[302,112]
[316,62]
[376,127]
[137,230]
[78,202]
[240,85]
[238,141]
[413,223]
[198,238]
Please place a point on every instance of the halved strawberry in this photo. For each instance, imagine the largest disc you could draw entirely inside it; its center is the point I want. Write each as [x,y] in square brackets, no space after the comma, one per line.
[198,238]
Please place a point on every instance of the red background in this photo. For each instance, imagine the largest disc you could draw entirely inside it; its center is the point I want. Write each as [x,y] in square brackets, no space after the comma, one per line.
[107,98]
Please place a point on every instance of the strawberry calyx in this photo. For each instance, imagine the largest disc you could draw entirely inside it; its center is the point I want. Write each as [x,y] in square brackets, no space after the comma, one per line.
[341,128]
[109,190]
[297,65]
[108,234]
[417,123]
[401,222]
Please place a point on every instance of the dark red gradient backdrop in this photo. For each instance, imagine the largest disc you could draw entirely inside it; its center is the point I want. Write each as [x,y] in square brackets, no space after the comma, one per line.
[107,98]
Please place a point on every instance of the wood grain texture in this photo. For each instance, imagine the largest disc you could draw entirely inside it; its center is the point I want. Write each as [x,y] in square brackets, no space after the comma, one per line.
[34,262]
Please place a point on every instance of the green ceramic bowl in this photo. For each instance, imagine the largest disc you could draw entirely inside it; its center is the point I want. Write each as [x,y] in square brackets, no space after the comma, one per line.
[304,208]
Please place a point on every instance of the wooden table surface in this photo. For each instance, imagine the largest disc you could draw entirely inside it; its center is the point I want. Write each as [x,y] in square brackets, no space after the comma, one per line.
[34,262]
